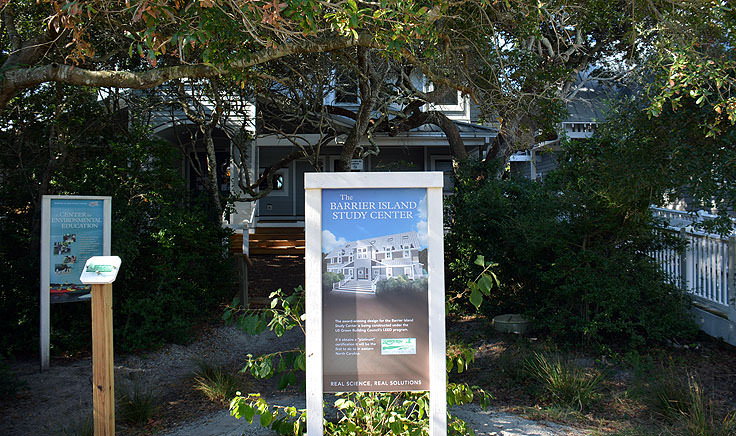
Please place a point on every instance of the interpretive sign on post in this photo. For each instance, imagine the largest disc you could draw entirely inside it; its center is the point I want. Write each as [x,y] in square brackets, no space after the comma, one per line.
[100,272]
[375,288]
[73,229]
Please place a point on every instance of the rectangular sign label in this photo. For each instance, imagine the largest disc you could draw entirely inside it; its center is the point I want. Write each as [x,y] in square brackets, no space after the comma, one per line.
[374,290]
[76,232]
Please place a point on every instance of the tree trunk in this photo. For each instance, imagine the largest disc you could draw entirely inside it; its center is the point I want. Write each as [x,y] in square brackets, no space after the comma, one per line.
[211,181]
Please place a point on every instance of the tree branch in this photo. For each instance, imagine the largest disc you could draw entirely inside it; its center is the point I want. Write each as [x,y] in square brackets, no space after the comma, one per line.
[16,80]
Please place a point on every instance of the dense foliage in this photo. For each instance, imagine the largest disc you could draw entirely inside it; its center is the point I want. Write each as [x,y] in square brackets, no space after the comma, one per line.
[635,160]
[175,264]
[570,259]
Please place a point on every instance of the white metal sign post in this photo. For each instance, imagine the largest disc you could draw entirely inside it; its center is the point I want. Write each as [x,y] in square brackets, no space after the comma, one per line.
[73,229]
[375,302]
[100,272]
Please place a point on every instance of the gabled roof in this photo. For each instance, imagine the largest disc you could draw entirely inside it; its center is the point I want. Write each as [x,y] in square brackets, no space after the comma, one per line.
[379,242]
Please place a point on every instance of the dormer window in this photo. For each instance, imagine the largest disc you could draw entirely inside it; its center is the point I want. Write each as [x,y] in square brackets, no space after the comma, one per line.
[444,95]
[447,99]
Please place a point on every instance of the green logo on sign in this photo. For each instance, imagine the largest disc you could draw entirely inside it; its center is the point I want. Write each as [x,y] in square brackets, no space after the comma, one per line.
[399,346]
[99,268]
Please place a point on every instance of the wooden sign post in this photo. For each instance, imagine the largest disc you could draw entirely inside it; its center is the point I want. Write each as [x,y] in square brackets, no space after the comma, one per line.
[100,272]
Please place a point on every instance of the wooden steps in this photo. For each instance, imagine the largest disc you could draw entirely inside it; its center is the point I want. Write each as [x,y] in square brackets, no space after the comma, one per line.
[277,240]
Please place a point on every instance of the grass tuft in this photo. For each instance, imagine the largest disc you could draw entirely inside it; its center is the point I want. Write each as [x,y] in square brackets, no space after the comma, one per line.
[668,394]
[216,383]
[563,382]
[702,417]
[136,403]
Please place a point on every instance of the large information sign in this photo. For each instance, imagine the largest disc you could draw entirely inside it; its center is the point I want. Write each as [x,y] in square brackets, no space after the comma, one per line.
[375,288]
[73,229]
[375,315]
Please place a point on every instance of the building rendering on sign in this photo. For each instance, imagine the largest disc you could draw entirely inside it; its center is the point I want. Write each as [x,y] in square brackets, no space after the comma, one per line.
[366,261]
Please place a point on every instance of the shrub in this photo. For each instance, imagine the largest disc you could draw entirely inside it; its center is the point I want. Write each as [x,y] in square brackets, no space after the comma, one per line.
[574,263]
[401,284]
[329,278]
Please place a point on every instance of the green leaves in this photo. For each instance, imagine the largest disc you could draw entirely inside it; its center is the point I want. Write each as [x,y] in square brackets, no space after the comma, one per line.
[483,283]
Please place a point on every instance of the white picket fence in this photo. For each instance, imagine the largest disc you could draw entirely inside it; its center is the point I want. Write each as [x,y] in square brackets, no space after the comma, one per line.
[707,267]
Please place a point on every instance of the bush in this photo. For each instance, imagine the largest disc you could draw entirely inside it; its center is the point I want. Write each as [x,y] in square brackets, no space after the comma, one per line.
[402,284]
[175,265]
[574,263]
[330,278]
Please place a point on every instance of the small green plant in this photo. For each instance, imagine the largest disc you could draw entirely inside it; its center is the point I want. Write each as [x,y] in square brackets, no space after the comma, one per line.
[563,382]
[136,403]
[216,383]
[459,355]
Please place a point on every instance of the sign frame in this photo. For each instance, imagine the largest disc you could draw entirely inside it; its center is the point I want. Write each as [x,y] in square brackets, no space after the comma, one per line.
[45,283]
[314,183]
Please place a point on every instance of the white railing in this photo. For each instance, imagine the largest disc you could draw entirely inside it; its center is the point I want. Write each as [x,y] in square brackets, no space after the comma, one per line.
[706,268]
[678,218]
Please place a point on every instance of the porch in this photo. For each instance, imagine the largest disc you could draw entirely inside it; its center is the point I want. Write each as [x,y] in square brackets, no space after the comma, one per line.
[707,270]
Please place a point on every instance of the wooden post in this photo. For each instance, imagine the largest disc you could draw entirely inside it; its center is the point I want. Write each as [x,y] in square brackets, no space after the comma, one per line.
[103,376]
[243,270]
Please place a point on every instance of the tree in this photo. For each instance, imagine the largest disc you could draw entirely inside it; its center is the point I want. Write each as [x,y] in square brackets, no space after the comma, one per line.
[518,60]
[91,43]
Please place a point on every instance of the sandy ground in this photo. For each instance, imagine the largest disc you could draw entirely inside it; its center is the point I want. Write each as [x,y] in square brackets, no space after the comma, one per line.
[56,399]
[484,423]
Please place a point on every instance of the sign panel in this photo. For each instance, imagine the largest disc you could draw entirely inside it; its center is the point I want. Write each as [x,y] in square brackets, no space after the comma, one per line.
[73,229]
[375,302]
[356,164]
[100,270]
[76,230]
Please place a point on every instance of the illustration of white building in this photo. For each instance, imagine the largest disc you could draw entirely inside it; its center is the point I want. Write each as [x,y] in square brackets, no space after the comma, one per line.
[366,261]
